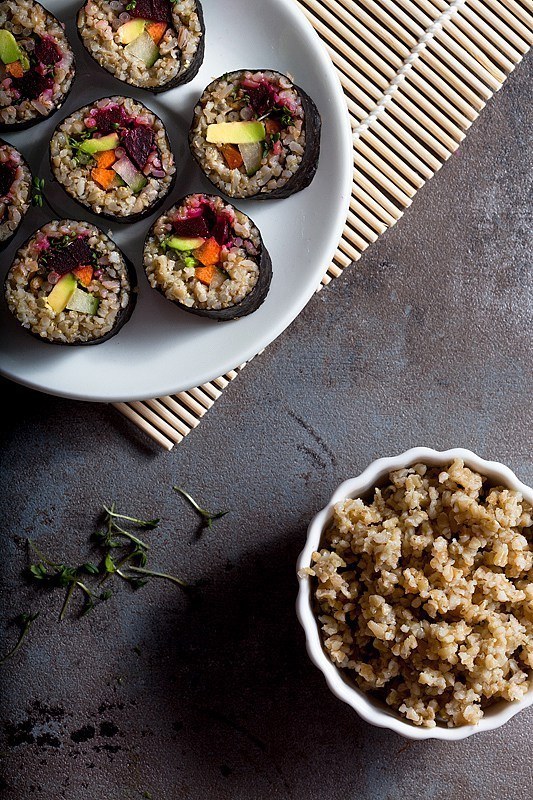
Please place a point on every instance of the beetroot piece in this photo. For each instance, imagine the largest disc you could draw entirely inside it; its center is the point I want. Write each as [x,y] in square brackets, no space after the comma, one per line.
[80,252]
[76,254]
[108,118]
[138,143]
[192,226]
[221,229]
[7,176]
[46,51]
[154,10]
[261,99]
[32,84]
[59,261]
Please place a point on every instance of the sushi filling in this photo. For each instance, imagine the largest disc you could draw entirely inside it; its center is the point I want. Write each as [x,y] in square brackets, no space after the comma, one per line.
[113,157]
[15,190]
[69,283]
[36,62]
[248,132]
[203,254]
[147,43]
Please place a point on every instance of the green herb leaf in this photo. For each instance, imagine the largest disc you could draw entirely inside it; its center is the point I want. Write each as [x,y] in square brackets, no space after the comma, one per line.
[207,517]
[24,622]
[142,523]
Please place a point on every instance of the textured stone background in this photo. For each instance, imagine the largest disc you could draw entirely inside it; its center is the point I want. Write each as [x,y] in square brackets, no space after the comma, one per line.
[428,340]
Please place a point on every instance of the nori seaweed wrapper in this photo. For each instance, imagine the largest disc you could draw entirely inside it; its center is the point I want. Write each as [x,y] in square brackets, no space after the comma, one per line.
[123,315]
[24,125]
[86,206]
[8,241]
[309,164]
[178,80]
[248,304]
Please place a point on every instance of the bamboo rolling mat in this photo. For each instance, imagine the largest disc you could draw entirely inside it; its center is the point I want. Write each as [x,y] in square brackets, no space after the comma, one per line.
[416,74]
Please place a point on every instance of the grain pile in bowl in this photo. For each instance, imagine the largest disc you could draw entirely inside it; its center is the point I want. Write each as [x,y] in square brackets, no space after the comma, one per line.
[425,594]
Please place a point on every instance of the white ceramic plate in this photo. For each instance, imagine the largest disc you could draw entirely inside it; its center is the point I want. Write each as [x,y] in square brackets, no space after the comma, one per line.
[163,350]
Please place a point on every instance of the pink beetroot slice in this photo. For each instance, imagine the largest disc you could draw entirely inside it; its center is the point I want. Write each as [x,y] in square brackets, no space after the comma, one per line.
[7,176]
[111,117]
[154,10]
[46,51]
[138,144]
[32,84]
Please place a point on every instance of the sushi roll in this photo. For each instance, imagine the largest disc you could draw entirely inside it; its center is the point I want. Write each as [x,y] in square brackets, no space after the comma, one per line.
[114,158]
[208,257]
[256,134]
[36,64]
[152,44]
[70,284]
[15,191]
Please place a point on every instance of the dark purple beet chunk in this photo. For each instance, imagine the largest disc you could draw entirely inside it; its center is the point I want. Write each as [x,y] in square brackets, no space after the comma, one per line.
[59,261]
[221,229]
[76,254]
[154,10]
[7,176]
[109,117]
[193,226]
[80,252]
[138,143]
[261,99]
[46,51]
[209,216]
[32,84]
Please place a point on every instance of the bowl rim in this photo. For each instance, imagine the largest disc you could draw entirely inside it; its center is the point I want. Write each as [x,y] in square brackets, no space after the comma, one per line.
[361,702]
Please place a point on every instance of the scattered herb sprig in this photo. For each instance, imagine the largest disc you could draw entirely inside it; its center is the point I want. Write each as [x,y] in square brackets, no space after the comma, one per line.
[207,517]
[24,622]
[122,553]
[37,192]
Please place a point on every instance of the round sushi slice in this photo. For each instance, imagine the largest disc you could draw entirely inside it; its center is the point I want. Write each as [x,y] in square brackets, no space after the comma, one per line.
[208,257]
[36,64]
[70,284]
[256,134]
[114,158]
[152,44]
[15,191]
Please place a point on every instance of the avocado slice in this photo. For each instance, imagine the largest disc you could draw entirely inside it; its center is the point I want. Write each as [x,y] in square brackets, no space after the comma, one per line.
[62,293]
[236,132]
[92,146]
[144,48]
[184,243]
[9,49]
[130,30]
[84,302]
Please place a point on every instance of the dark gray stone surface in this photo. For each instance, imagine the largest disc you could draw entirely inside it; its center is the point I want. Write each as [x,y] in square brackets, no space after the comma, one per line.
[428,340]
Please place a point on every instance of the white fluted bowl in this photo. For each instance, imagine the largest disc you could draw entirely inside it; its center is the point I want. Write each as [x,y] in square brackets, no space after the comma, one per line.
[368,707]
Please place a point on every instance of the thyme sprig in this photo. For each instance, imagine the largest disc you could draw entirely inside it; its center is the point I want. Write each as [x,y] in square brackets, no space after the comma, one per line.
[207,517]
[24,622]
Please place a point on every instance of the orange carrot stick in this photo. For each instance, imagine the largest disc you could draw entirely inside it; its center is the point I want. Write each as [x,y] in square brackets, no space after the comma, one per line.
[209,252]
[205,274]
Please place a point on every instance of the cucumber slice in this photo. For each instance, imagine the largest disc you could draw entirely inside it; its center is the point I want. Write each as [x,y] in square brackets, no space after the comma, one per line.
[144,48]
[252,155]
[83,302]
[184,243]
